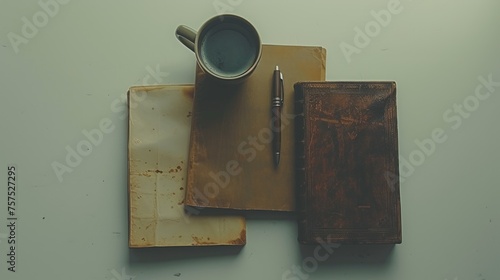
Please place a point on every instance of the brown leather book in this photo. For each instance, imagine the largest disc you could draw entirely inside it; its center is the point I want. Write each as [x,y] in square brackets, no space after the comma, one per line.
[347,163]
[230,155]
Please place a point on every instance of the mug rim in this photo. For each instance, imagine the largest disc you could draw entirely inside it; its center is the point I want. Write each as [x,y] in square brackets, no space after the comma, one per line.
[198,42]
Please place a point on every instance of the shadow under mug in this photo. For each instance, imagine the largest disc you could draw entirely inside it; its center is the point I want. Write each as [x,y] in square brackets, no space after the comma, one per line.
[227,47]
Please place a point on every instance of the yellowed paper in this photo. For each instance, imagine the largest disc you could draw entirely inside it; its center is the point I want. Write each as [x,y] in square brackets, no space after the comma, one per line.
[159,127]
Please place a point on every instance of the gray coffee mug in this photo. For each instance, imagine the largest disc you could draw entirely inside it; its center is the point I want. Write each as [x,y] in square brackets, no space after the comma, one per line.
[227,47]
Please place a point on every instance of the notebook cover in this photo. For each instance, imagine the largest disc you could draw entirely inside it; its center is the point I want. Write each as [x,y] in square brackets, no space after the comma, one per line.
[158,136]
[230,156]
[347,163]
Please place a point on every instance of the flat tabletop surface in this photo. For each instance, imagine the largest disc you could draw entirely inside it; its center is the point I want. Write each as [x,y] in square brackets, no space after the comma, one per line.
[65,67]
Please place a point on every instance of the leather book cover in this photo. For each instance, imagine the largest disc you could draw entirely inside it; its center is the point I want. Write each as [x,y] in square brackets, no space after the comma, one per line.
[230,155]
[158,136]
[347,163]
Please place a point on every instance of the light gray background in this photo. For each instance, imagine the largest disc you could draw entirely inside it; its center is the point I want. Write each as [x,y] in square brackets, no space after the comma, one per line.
[74,71]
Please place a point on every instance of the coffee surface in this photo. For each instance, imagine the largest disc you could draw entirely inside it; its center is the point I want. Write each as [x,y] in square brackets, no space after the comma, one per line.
[228,52]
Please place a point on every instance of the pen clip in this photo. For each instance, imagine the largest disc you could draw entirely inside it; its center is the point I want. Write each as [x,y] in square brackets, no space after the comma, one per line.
[282,88]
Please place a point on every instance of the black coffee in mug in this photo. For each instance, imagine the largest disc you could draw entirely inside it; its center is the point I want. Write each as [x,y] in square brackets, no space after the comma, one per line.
[228,50]
[227,47]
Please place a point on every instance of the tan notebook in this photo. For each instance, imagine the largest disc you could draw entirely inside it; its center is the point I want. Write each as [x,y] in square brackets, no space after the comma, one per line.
[159,125]
[230,156]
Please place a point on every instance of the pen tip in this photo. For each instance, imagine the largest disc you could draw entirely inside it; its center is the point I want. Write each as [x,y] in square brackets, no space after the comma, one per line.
[277,159]
[277,68]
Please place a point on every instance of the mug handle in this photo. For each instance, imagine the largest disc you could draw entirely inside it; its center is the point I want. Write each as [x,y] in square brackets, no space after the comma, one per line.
[186,36]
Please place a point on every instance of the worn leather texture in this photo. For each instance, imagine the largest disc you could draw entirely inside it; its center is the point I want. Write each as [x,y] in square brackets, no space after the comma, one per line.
[347,163]
[230,156]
